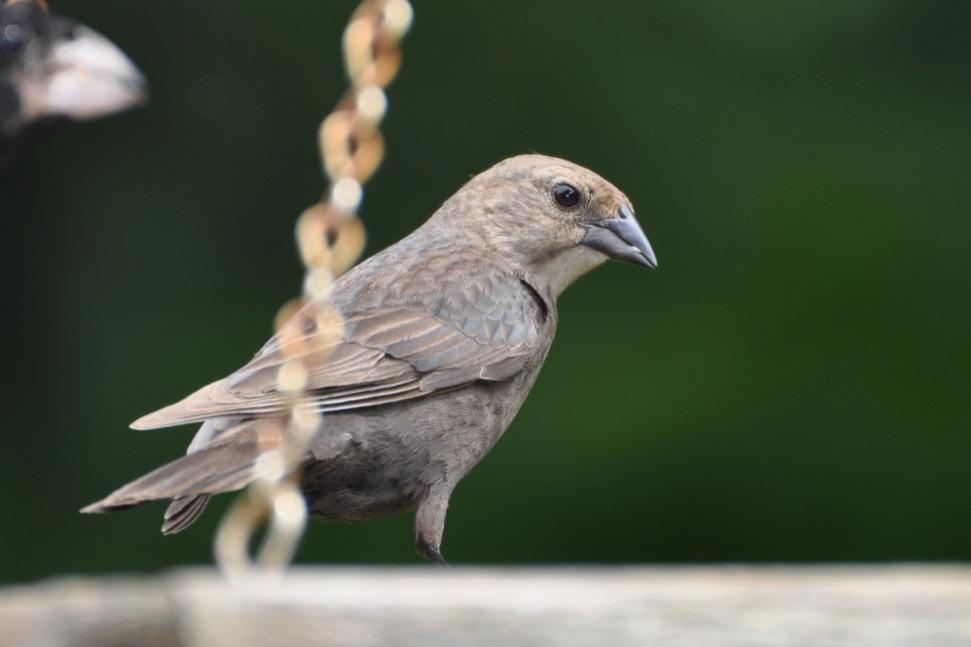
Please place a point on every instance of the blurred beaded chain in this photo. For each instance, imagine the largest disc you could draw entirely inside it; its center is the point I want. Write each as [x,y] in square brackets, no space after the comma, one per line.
[42,4]
[330,237]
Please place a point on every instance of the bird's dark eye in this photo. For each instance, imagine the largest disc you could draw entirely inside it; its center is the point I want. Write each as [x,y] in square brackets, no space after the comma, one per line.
[566,195]
[11,38]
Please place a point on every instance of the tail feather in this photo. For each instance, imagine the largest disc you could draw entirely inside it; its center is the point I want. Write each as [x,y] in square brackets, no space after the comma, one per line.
[183,512]
[222,468]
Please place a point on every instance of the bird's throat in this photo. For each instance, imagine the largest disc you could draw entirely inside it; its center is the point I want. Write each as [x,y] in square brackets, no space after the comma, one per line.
[556,272]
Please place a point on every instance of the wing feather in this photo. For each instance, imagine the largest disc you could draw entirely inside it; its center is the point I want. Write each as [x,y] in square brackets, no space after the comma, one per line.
[379,356]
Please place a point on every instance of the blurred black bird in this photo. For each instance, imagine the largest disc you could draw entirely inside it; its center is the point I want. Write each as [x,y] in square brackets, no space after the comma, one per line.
[54,69]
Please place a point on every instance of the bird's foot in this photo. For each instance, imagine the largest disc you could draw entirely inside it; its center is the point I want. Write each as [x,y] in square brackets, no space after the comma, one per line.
[430,551]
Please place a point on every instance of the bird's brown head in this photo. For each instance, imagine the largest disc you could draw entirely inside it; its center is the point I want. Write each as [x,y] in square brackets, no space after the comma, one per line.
[552,218]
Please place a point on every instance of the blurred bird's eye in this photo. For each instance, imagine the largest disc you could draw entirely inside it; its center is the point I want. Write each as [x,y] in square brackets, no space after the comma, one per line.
[11,38]
[566,195]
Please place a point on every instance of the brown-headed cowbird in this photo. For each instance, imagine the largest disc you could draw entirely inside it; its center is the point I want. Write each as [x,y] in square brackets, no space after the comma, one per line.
[443,335]
[54,69]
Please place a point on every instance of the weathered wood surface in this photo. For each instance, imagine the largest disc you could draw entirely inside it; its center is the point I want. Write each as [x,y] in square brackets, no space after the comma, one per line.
[866,606]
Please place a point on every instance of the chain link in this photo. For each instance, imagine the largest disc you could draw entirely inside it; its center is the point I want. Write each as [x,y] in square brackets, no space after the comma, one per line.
[42,4]
[330,238]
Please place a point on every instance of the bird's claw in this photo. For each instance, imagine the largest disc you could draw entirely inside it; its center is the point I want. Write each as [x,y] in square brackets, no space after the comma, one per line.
[430,551]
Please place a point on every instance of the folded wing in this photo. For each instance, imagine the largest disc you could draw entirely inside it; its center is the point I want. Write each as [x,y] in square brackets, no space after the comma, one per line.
[368,359]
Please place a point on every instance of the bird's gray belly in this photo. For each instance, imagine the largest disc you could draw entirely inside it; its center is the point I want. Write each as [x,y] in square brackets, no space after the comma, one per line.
[380,462]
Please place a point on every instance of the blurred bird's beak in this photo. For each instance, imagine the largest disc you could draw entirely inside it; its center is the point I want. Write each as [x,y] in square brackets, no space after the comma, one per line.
[88,76]
[621,238]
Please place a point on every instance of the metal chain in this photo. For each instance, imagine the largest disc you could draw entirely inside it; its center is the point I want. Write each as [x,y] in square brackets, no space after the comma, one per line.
[330,238]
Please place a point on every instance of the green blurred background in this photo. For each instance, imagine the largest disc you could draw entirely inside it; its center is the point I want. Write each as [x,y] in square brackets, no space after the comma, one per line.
[791,384]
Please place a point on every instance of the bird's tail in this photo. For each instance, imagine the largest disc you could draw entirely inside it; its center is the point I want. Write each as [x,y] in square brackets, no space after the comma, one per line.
[183,512]
[190,480]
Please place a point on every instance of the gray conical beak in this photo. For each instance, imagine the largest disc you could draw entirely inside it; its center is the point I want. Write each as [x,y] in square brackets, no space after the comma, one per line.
[621,238]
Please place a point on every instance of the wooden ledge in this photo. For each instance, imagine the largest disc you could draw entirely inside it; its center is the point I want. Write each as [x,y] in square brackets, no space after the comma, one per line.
[831,606]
